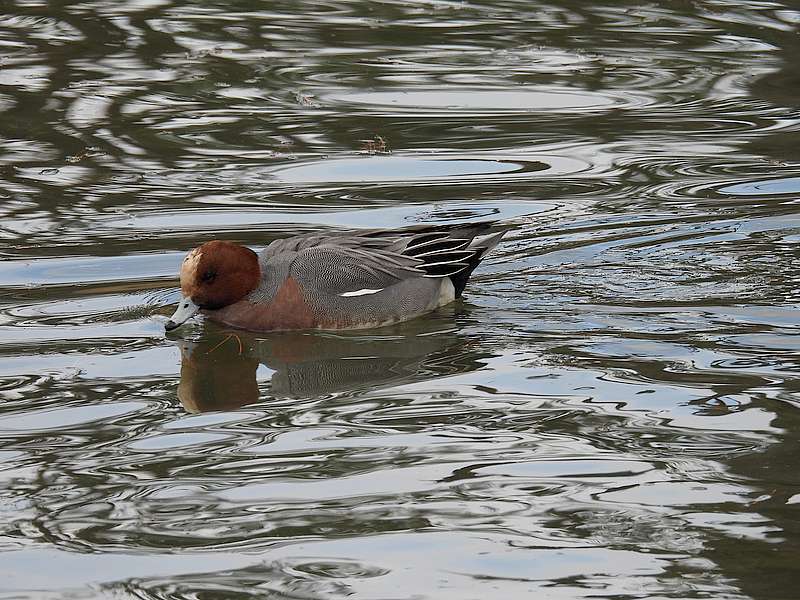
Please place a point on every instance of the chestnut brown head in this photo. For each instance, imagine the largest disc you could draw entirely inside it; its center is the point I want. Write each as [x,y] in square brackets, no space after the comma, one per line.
[215,275]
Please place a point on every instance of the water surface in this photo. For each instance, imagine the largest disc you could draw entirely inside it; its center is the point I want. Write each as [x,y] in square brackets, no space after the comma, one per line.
[611,412]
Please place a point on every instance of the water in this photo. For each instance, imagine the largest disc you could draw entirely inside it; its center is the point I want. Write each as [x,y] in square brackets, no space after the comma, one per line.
[612,412]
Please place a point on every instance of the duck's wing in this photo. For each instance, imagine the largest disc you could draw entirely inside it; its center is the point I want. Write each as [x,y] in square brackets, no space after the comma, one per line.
[365,261]
[351,271]
[293,244]
[391,240]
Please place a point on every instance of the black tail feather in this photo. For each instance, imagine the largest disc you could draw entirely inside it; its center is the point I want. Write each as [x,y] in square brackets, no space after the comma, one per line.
[452,251]
[460,279]
[438,245]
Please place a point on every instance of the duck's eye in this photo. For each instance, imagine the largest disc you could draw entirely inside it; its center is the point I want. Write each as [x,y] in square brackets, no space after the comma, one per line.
[208,276]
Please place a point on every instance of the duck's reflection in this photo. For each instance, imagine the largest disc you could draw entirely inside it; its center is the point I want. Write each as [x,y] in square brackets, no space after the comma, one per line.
[223,370]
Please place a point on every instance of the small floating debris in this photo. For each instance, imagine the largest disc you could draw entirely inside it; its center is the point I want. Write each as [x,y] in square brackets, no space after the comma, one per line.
[376,145]
[306,100]
[88,152]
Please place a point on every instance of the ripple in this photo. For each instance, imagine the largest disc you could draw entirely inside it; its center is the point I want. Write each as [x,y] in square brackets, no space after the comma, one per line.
[570,468]
[62,418]
[31,78]
[610,409]
[262,224]
[482,101]
[787,185]
[173,441]
[677,493]
[424,168]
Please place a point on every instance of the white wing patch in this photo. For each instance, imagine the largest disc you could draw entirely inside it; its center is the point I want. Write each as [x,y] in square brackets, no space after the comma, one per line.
[364,292]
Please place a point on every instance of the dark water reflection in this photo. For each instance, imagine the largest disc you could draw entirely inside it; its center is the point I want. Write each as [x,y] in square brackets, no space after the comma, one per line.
[612,412]
[223,371]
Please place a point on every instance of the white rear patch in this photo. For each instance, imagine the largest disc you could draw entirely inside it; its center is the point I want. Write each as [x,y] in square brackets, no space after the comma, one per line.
[364,292]
[447,293]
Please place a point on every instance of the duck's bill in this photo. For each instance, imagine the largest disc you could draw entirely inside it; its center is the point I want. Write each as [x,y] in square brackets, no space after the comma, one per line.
[186,309]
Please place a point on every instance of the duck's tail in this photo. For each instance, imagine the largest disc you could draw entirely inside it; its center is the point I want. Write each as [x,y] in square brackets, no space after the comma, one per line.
[443,250]
[480,245]
[452,251]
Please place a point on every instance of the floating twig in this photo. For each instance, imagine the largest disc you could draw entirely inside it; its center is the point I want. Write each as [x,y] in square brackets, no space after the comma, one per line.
[227,337]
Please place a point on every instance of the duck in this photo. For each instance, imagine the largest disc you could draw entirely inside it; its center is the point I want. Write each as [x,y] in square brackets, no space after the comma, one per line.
[350,279]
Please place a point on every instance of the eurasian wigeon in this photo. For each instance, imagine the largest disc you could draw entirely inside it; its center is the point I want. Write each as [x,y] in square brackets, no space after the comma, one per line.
[345,280]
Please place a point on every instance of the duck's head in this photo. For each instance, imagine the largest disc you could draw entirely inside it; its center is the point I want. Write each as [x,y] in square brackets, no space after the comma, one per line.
[213,276]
